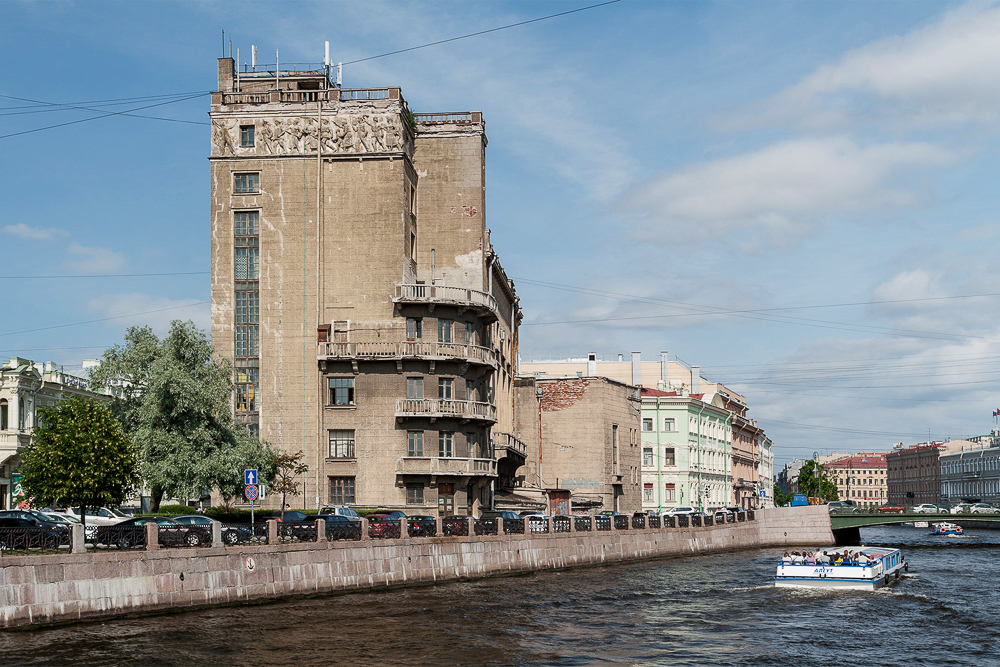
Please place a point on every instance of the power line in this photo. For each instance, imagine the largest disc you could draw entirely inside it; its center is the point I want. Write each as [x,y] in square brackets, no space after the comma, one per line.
[103,319]
[108,275]
[482,32]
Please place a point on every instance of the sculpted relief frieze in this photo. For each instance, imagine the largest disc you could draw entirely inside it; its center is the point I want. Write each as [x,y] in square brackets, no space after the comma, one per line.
[351,134]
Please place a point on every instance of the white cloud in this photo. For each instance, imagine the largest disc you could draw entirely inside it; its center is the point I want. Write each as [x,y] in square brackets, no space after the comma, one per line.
[135,309]
[93,260]
[777,194]
[944,73]
[23,231]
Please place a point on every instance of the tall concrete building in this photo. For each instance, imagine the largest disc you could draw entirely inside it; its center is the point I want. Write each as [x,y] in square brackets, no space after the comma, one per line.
[356,291]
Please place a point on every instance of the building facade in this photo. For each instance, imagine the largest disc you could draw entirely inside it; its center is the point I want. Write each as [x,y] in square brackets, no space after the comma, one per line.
[861,478]
[356,291]
[766,478]
[914,473]
[26,386]
[582,439]
[971,474]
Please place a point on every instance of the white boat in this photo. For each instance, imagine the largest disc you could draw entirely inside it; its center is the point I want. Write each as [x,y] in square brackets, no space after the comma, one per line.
[921,524]
[883,565]
[946,528]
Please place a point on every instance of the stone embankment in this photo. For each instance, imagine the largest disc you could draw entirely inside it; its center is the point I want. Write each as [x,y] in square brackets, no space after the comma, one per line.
[65,587]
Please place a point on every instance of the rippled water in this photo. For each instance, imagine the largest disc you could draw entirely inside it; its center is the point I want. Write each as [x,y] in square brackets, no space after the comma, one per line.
[706,610]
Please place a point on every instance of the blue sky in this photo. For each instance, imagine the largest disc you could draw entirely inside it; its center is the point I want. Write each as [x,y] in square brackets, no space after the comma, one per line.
[652,167]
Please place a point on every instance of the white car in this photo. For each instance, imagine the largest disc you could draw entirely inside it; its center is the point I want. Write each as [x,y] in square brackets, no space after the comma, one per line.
[674,511]
[926,508]
[982,508]
[97,516]
[536,522]
[961,508]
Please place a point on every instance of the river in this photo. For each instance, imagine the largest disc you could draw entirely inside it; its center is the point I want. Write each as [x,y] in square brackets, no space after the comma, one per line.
[704,610]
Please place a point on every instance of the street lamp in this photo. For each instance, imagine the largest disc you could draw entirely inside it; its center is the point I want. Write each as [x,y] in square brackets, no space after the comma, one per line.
[819,490]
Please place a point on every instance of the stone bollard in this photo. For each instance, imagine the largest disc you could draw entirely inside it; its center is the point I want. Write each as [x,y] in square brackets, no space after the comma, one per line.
[77,539]
[572,523]
[438,527]
[217,534]
[404,529]
[364,530]
[152,536]
[499,526]
[272,531]
[321,530]
[470,528]
[612,520]
[548,525]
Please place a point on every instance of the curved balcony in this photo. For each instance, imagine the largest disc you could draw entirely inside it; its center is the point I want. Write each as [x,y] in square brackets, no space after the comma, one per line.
[433,408]
[462,297]
[446,466]
[505,444]
[388,351]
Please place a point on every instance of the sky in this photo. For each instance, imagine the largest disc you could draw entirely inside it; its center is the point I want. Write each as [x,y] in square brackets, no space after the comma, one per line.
[799,197]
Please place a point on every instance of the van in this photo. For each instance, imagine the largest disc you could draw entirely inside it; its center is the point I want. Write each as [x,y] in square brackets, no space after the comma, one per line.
[799,500]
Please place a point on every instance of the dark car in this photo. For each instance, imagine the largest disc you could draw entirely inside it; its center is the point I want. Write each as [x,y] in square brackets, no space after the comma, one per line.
[130,533]
[338,527]
[51,534]
[422,525]
[230,534]
[609,513]
[293,516]
[506,515]
[383,525]
[394,513]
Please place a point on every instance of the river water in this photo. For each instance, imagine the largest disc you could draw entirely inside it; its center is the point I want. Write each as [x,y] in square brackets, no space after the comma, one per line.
[703,610]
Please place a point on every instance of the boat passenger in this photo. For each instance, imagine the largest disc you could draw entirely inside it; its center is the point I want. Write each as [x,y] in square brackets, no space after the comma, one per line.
[810,558]
[823,558]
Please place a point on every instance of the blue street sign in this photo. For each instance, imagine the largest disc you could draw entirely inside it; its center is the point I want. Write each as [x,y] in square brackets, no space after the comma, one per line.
[249,477]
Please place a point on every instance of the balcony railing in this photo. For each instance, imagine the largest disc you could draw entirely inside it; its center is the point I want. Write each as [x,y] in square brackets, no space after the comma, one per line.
[450,117]
[448,466]
[459,296]
[437,408]
[508,442]
[390,351]
[246,98]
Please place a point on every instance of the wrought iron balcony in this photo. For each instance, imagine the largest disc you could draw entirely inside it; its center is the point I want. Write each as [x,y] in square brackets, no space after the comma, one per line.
[443,408]
[447,295]
[505,444]
[446,466]
[396,351]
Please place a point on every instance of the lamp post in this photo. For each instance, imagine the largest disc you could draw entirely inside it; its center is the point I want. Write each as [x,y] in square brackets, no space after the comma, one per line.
[819,490]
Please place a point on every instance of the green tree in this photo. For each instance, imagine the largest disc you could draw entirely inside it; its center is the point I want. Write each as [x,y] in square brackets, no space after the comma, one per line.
[812,487]
[780,497]
[286,468]
[79,456]
[174,401]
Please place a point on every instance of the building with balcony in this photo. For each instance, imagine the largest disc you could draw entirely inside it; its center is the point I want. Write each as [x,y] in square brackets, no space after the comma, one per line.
[970,473]
[861,478]
[913,474]
[357,293]
[26,386]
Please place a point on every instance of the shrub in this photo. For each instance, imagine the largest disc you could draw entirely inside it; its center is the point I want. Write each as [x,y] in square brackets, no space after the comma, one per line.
[176,510]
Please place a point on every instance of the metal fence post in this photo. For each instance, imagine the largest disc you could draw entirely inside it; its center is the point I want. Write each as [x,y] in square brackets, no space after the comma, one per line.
[321,530]
[217,534]
[152,536]
[78,539]
[272,531]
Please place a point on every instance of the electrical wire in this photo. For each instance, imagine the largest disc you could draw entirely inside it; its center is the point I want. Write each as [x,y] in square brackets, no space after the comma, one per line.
[107,275]
[104,319]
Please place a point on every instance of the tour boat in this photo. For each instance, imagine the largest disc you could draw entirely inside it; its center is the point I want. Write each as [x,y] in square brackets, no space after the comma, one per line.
[945,528]
[884,565]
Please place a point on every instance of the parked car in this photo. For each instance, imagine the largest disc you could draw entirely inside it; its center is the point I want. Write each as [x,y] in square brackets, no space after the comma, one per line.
[842,507]
[394,513]
[506,515]
[57,531]
[961,508]
[125,534]
[99,516]
[674,511]
[230,534]
[724,515]
[292,516]
[536,522]
[927,508]
[341,510]
[381,525]
[423,525]
[890,508]
[609,513]
[982,508]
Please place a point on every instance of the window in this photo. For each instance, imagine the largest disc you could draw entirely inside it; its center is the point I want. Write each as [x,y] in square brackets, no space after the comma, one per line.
[247,263]
[469,333]
[415,493]
[342,444]
[3,414]
[341,391]
[247,388]
[446,388]
[446,441]
[247,307]
[415,443]
[470,390]
[472,445]
[614,449]
[647,456]
[246,223]
[668,457]
[669,424]
[444,331]
[246,136]
[647,424]
[668,494]
[246,183]
[415,388]
[647,492]
[246,340]
[414,328]
[341,490]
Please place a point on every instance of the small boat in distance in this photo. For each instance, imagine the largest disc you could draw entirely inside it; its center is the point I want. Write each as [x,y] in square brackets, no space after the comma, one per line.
[921,524]
[853,568]
[945,528]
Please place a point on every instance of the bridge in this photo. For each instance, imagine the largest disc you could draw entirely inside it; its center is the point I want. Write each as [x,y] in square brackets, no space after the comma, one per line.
[845,525]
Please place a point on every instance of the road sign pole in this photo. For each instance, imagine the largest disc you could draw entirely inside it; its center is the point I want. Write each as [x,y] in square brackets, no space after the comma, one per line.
[251,515]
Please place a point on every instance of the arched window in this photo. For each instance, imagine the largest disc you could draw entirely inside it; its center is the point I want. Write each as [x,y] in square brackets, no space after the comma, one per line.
[3,414]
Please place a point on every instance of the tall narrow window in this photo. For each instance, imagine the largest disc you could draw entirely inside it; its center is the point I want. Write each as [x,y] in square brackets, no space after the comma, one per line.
[414,388]
[647,424]
[415,443]
[342,444]
[247,387]
[446,441]
[3,414]
[469,333]
[470,390]
[647,492]
[647,456]
[614,449]
[414,328]
[669,424]
[444,331]
[247,263]
[341,391]
[472,445]
[446,388]
[668,457]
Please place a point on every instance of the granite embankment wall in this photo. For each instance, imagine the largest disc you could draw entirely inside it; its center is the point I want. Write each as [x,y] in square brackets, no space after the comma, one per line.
[78,586]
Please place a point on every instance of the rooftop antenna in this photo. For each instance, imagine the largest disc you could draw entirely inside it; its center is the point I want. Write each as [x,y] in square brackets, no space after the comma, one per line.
[326,55]
[340,69]
[237,69]
[253,57]
[277,72]
[223,43]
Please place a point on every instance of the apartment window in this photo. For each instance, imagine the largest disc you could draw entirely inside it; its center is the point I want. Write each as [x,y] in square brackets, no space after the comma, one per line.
[470,390]
[472,445]
[446,444]
[246,340]
[341,391]
[446,389]
[668,457]
[414,328]
[414,388]
[246,223]
[469,333]
[414,493]
[647,492]
[246,136]
[413,245]
[415,443]
[253,430]
[614,448]
[444,331]
[342,444]
[247,387]
[247,307]
[669,493]
[247,263]
[247,183]
[647,424]
[669,424]
[647,456]
[341,490]
[3,414]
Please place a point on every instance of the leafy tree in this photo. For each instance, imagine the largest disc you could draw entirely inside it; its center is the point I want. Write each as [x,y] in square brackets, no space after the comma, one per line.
[174,401]
[813,488]
[286,468]
[79,457]
[780,497]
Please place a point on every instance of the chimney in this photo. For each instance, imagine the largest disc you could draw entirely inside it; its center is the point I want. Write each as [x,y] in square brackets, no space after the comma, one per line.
[664,373]
[637,368]
[592,364]
[696,379]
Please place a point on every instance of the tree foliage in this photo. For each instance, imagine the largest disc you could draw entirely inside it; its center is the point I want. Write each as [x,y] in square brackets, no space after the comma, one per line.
[780,497]
[79,457]
[813,487]
[286,468]
[174,401]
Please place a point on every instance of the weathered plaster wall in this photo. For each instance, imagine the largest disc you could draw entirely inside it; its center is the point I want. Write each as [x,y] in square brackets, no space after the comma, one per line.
[70,587]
